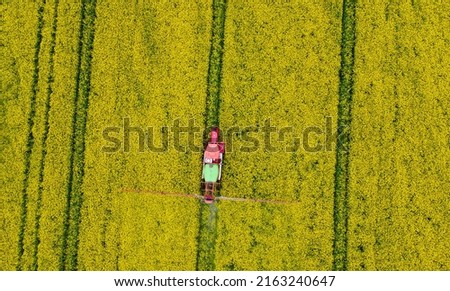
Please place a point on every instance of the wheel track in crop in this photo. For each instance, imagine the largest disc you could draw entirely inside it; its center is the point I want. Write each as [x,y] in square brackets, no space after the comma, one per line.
[49,90]
[69,251]
[30,137]
[207,232]
[346,75]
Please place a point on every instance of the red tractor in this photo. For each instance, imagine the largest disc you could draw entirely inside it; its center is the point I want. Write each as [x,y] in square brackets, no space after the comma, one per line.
[212,166]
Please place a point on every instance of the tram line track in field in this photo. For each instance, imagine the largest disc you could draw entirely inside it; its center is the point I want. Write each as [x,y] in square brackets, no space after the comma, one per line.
[74,199]
[208,214]
[30,137]
[341,182]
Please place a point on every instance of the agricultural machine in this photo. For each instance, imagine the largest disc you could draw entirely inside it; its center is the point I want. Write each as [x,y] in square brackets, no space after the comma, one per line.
[212,166]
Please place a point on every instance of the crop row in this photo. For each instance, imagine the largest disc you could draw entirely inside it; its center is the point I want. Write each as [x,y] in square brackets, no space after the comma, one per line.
[281,63]
[399,163]
[149,66]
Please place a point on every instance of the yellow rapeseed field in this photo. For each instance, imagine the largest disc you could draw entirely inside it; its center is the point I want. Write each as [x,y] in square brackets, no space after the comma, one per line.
[18,83]
[56,170]
[400,176]
[280,71]
[151,75]
[354,96]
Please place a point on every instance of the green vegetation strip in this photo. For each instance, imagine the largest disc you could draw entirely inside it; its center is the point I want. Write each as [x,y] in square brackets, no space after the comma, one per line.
[343,143]
[215,64]
[30,138]
[207,237]
[50,79]
[76,164]
[208,213]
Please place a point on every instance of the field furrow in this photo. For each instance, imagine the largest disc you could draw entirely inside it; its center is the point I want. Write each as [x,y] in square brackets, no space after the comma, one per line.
[76,159]
[215,64]
[343,148]
[207,233]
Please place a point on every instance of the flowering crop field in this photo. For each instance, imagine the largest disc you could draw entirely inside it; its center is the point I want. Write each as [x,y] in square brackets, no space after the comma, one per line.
[335,115]
[278,70]
[399,192]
